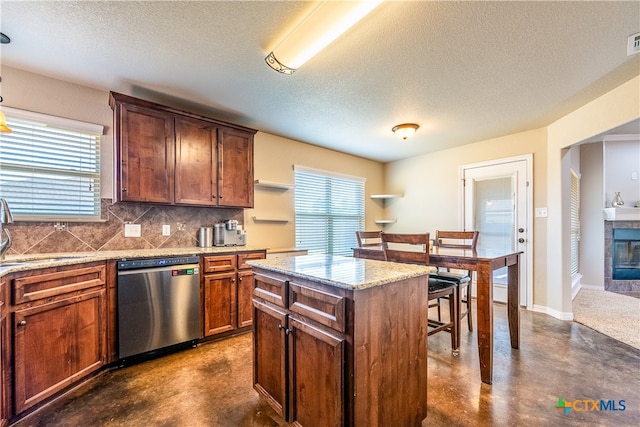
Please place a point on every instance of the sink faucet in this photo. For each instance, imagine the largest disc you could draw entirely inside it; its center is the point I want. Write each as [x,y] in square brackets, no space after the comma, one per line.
[5,218]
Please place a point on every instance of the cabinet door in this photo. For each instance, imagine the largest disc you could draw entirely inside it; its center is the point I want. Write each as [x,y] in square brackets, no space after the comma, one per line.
[316,376]
[196,163]
[4,404]
[146,155]
[245,295]
[56,344]
[235,168]
[269,356]
[219,303]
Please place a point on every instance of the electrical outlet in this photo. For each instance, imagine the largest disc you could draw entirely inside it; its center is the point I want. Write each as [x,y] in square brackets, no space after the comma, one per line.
[541,212]
[132,230]
[166,230]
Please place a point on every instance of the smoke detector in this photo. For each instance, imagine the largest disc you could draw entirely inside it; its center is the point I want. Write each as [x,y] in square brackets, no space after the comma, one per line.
[633,44]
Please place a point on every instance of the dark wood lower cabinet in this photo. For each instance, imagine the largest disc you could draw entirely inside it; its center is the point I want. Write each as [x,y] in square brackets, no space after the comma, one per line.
[219,303]
[316,373]
[331,356]
[73,331]
[299,368]
[227,292]
[4,341]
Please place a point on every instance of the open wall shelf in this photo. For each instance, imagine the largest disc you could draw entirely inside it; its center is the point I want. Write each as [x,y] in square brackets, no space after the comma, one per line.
[270,219]
[271,184]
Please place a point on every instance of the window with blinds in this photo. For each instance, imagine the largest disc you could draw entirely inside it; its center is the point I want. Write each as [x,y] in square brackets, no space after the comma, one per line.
[575,223]
[329,211]
[50,168]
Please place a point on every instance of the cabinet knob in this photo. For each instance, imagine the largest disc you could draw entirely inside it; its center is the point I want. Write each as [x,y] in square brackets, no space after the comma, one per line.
[288,331]
[124,188]
[521,240]
[213,196]
[22,322]
[280,327]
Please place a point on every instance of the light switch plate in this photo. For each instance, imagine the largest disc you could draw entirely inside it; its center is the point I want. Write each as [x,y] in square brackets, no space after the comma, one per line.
[132,230]
[166,230]
[541,212]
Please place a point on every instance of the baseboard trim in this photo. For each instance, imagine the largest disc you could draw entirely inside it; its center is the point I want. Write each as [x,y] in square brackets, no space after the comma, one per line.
[553,313]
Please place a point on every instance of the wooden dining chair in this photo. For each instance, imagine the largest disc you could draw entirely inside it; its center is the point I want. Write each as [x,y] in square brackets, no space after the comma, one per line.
[414,249]
[462,278]
[369,239]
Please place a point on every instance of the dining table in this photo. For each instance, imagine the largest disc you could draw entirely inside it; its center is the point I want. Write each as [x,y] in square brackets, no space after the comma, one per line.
[484,261]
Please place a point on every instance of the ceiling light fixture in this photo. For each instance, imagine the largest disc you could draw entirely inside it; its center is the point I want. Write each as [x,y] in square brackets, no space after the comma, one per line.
[323,25]
[405,130]
[3,120]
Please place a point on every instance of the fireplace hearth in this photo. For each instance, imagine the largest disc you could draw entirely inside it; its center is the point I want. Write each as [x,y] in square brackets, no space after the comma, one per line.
[622,256]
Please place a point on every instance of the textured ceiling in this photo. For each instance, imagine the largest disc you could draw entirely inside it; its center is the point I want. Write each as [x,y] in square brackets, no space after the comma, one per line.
[464,71]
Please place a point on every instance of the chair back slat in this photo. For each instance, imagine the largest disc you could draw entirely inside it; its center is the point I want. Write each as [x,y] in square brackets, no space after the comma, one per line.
[407,248]
[456,239]
[369,239]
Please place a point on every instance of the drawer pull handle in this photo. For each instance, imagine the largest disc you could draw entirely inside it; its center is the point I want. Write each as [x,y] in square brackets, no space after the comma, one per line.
[22,323]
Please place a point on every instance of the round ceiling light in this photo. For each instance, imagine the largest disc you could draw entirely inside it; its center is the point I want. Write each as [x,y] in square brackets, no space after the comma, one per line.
[405,130]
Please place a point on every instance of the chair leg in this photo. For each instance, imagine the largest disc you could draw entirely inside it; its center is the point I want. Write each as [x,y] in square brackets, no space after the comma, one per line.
[439,312]
[455,321]
[469,309]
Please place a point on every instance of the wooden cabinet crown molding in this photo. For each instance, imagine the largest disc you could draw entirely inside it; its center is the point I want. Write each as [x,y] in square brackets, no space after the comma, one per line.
[116,98]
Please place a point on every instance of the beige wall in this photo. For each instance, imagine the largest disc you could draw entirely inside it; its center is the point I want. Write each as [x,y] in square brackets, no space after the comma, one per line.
[273,161]
[591,218]
[433,194]
[615,108]
[429,182]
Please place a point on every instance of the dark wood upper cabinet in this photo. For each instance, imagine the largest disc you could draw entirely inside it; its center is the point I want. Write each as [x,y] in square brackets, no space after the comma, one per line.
[146,155]
[170,156]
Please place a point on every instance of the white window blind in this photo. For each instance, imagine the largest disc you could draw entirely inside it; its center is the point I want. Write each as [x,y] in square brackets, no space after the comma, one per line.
[50,167]
[329,211]
[575,223]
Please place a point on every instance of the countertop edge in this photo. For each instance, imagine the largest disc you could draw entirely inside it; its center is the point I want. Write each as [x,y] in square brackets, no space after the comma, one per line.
[403,272]
[18,263]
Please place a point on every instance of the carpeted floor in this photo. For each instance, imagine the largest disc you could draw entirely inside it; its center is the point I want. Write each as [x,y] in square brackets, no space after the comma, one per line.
[612,314]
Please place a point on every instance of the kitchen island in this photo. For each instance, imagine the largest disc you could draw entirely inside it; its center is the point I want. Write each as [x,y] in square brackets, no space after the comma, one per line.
[341,341]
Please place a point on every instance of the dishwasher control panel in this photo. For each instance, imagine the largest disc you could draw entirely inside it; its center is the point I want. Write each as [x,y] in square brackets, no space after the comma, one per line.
[137,264]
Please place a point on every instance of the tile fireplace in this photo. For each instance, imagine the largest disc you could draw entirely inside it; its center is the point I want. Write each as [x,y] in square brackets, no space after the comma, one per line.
[622,256]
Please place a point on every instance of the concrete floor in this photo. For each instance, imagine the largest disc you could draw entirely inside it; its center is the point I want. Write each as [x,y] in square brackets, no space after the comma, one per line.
[211,385]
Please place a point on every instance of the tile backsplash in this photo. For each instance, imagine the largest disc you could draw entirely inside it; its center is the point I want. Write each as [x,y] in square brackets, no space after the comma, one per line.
[108,235]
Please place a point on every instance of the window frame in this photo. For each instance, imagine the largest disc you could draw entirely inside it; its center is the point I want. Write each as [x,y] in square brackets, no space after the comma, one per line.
[337,242]
[69,125]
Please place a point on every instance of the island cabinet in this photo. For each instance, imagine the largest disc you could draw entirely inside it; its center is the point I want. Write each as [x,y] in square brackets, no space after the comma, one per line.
[169,156]
[332,353]
[58,329]
[4,341]
[227,292]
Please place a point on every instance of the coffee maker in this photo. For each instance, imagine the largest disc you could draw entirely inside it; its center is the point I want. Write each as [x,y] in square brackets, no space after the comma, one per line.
[229,234]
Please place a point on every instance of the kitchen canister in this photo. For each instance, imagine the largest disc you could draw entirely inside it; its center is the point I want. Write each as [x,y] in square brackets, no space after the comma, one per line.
[205,237]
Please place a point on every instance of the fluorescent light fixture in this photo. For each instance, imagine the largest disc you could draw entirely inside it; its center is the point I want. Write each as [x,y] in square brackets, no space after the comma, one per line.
[405,130]
[323,25]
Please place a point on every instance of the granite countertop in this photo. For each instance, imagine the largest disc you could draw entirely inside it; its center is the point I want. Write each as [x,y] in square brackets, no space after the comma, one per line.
[15,263]
[341,272]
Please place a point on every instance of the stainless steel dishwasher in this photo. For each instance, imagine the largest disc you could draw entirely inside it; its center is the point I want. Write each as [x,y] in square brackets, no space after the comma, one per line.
[158,303]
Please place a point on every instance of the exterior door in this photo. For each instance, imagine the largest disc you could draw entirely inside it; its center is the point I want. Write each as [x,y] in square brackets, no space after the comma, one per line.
[497,203]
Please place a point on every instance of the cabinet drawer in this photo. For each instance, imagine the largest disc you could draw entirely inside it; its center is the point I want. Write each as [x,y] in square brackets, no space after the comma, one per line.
[326,309]
[50,283]
[270,289]
[216,264]
[248,256]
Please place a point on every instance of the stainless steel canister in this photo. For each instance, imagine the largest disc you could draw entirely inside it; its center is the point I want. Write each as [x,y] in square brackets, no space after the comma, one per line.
[218,236]
[205,237]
